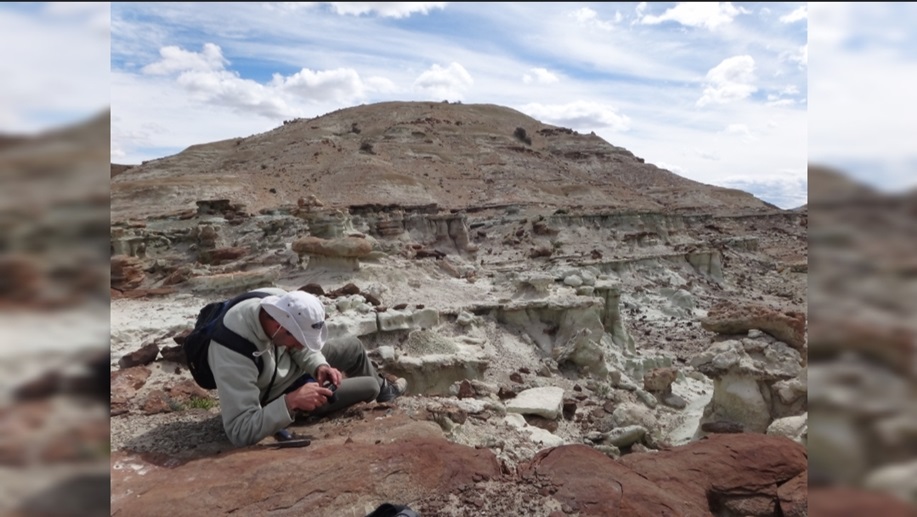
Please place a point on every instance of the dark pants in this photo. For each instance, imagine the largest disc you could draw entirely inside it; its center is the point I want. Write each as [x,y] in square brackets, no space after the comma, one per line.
[361,382]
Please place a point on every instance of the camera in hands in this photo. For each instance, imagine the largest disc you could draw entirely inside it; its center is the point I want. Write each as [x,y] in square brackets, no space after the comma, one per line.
[330,385]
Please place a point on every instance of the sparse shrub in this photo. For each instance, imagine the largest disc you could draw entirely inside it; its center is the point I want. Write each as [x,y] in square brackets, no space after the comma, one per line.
[521,135]
[603,390]
[367,147]
[201,403]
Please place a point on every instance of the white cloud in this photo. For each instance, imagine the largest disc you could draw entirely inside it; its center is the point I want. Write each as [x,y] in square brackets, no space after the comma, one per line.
[783,97]
[342,84]
[584,14]
[448,83]
[380,84]
[175,59]
[737,129]
[803,56]
[729,81]
[774,100]
[741,131]
[169,119]
[203,75]
[799,56]
[707,155]
[677,169]
[709,15]
[587,16]
[582,115]
[786,188]
[228,89]
[385,9]
[799,14]
[541,76]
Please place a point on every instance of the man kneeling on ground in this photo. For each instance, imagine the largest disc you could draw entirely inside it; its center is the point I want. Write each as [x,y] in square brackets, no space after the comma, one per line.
[288,329]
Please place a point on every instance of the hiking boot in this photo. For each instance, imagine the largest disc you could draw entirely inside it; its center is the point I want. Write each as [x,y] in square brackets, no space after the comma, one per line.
[391,390]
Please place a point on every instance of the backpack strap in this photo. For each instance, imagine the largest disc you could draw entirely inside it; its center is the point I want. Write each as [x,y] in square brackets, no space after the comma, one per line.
[234,341]
[237,343]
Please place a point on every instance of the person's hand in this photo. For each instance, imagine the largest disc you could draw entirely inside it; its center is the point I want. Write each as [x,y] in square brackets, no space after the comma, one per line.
[326,373]
[308,397]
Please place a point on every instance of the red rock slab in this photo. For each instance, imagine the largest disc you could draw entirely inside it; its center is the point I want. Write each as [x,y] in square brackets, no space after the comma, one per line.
[723,469]
[794,496]
[787,326]
[336,479]
[590,483]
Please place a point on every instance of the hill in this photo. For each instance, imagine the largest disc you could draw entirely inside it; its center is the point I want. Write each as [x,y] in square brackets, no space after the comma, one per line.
[455,156]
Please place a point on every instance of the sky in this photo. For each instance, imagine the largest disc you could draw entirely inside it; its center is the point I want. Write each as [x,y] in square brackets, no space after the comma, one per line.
[716,92]
[862,116]
[55,65]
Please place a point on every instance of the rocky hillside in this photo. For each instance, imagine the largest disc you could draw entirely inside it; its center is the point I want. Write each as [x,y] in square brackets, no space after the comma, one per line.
[565,315]
[456,156]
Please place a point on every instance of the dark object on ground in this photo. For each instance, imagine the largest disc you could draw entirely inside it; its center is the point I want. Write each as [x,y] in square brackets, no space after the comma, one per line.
[393,510]
[286,439]
[298,442]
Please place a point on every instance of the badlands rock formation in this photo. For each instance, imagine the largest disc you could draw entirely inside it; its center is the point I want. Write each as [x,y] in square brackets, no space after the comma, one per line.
[583,333]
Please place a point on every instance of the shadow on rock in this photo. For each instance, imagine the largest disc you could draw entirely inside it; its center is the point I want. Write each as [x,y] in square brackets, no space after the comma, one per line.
[174,443]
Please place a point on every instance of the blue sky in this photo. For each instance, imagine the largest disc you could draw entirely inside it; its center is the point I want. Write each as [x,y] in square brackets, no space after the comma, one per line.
[716,92]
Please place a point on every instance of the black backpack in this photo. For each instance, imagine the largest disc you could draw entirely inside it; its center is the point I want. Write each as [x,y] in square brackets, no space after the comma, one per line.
[209,326]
